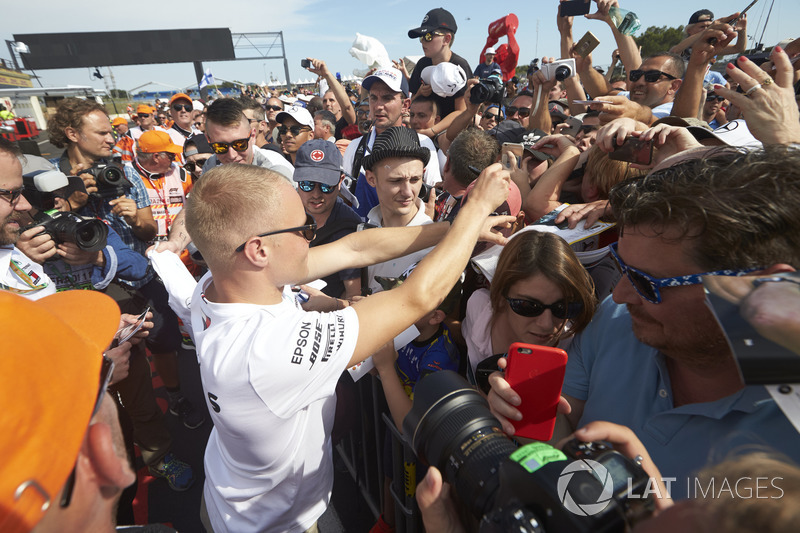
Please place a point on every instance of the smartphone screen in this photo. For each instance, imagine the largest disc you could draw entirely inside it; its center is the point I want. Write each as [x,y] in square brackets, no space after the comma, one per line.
[575,8]
[633,151]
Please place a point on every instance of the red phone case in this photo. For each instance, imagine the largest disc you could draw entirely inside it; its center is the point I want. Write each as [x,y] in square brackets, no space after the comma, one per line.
[536,373]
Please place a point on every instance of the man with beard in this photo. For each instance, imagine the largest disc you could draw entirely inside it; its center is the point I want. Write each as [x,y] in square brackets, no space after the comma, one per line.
[18,274]
[654,358]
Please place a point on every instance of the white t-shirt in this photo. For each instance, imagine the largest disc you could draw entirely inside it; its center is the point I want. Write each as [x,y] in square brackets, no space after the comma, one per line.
[269,373]
[395,267]
[432,174]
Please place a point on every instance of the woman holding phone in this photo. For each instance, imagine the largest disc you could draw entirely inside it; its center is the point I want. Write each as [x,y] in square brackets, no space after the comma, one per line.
[540,294]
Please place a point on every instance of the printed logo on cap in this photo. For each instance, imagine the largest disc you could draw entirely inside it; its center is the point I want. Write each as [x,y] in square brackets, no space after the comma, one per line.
[424,20]
[317,155]
[388,73]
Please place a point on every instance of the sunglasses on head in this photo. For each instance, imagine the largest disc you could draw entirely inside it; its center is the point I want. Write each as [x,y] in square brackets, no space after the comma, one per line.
[533,308]
[190,166]
[712,97]
[650,76]
[11,195]
[239,145]
[649,287]
[185,107]
[106,371]
[309,230]
[294,130]
[521,111]
[428,37]
[308,186]
[273,108]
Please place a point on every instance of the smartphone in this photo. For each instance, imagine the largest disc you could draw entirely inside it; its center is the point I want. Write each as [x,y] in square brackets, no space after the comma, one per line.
[573,126]
[305,63]
[575,8]
[633,151]
[511,148]
[587,43]
[536,373]
[745,10]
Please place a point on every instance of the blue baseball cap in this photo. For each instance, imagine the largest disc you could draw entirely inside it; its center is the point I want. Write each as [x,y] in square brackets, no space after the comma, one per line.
[318,160]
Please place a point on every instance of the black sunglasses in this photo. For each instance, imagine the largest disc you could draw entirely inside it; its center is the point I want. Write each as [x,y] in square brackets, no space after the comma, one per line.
[11,195]
[240,145]
[273,108]
[489,114]
[308,186]
[712,97]
[523,111]
[106,371]
[185,107]
[294,130]
[650,76]
[533,308]
[190,166]
[309,230]
[144,115]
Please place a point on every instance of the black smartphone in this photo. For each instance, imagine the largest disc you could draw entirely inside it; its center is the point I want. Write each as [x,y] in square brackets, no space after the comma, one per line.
[305,63]
[633,150]
[736,20]
[575,8]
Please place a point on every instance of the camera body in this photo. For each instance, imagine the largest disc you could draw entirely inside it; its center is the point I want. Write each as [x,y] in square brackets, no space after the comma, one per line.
[110,179]
[305,63]
[490,89]
[88,234]
[587,487]
[559,70]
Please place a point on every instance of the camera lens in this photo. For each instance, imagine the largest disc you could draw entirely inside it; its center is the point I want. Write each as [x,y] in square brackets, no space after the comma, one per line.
[87,234]
[563,72]
[450,427]
[112,175]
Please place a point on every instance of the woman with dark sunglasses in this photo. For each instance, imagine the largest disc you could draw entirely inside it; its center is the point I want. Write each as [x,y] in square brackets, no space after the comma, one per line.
[539,294]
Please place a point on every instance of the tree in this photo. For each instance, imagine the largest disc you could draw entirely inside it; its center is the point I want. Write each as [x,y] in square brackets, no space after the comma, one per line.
[655,39]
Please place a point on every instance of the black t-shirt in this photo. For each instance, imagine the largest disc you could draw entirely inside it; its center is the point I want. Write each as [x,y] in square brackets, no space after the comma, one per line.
[446,105]
[341,124]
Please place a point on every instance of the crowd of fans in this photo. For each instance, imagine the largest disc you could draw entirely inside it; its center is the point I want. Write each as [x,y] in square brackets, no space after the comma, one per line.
[398,193]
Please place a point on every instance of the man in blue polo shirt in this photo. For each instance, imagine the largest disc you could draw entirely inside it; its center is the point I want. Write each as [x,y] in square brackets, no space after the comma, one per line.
[654,358]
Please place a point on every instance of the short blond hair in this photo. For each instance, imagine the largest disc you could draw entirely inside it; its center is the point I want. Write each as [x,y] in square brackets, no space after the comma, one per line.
[229,204]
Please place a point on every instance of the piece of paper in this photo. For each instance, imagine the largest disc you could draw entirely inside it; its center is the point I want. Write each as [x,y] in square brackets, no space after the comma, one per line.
[362,369]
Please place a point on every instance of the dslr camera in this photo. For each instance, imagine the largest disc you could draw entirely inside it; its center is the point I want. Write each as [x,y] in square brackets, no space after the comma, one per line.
[559,70]
[587,487]
[41,190]
[490,89]
[110,179]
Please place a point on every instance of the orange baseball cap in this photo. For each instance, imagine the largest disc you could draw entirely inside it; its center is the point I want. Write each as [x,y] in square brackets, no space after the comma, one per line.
[155,141]
[49,384]
[144,108]
[180,96]
[119,121]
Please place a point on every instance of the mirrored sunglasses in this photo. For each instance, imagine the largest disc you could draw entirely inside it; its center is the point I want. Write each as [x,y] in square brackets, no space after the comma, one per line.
[239,145]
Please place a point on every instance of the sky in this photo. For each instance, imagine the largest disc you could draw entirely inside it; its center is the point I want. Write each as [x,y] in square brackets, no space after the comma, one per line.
[326,30]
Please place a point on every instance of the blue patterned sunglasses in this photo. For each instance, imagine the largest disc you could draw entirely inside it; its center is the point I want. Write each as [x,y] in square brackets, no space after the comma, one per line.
[648,287]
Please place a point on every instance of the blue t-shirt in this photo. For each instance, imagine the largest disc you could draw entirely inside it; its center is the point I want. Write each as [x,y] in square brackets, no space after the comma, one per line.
[415,360]
[626,382]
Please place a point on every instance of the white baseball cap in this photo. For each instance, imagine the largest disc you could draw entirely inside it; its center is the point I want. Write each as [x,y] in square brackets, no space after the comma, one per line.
[300,114]
[446,79]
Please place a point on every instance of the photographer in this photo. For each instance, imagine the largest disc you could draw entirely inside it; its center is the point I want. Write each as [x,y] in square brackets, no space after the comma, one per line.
[83,128]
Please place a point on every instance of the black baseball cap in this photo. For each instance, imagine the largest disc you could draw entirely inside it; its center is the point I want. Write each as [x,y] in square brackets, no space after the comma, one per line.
[435,19]
[703,14]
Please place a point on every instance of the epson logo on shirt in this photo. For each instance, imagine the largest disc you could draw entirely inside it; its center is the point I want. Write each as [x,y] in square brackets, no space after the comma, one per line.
[302,342]
[304,338]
